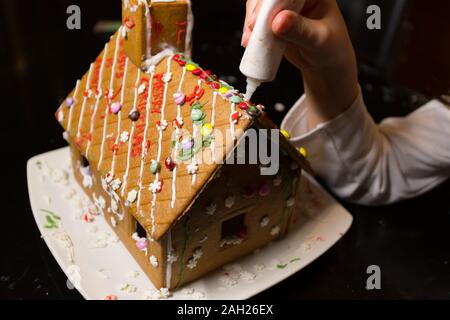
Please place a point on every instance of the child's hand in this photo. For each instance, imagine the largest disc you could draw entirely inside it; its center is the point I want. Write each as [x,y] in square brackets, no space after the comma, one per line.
[319,45]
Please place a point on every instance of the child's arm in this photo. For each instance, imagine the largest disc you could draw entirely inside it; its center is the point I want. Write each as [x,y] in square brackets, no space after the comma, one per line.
[360,161]
[319,45]
[376,164]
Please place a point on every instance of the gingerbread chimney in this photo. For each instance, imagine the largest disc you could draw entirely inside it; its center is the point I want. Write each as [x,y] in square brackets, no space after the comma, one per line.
[152,26]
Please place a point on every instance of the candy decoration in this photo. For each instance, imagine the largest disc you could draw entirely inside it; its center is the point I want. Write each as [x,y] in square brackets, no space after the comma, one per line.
[285,134]
[141,244]
[235,116]
[116,107]
[170,164]
[111,297]
[303,152]
[223,90]
[161,125]
[155,167]
[187,144]
[197,115]
[156,186]
[215,85]
[264,190]
[129,23]
[207,129]
[134,115]
[181,63]
[190,67]
[243,106]
[197,71]
[235,99]
[180,98]
[69,102]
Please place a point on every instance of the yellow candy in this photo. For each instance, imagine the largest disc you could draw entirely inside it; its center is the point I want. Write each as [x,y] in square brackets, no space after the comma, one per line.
[207,129]
[303,152]
[223,90]
[285,134]
[190,67]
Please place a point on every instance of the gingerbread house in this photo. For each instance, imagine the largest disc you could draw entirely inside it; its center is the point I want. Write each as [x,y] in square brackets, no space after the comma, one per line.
[150,132]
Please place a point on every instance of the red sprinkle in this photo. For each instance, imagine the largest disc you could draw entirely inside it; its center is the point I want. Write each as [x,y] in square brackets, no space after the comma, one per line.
[181,63]
[176,57]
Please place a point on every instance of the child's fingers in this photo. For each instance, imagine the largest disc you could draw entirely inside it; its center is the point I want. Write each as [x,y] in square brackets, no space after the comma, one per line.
[252,11]
[299,30]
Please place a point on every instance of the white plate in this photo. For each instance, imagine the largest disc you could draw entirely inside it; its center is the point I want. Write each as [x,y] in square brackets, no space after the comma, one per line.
[99,265]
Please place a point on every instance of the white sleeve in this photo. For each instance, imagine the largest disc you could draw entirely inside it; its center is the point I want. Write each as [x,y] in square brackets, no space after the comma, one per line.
[367,163]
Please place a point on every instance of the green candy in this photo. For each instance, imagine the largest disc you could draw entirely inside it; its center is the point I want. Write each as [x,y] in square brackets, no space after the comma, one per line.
[197,115]
[155,167]
[235,99]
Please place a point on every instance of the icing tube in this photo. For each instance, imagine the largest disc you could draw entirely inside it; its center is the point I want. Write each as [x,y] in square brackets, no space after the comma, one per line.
[265,51]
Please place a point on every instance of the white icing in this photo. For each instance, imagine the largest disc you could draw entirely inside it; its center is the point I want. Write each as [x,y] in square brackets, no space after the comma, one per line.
[124,79]
[107,107]
[290,202]
[192,262]
[85,98]
[132,195]
[177,144]
[229,201]
[275,230]
[153,261]
[133,125]
[211,209]
[264,222]
[99,89]
[60,116]
[69,120]
[144,141]
[156,185]
[124,136]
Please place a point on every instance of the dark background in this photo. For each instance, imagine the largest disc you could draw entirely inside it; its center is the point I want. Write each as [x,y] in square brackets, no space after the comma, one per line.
[401,67]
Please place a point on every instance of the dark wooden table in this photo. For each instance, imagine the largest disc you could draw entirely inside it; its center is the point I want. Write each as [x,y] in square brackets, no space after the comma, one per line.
[39,65]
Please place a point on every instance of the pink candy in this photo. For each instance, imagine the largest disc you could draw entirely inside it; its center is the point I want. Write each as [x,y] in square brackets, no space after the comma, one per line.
[141,244]
[116,107]
[180,98]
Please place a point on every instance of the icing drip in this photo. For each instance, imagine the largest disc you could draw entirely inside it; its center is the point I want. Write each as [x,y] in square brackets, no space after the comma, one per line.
[85,98]
[144,141]
[69,121]
[213,116]
[196,132]
[122,93]
[158,159]
[177,143]
[169,249]
[232,129]
[99,95]
[130,140]
[110,93]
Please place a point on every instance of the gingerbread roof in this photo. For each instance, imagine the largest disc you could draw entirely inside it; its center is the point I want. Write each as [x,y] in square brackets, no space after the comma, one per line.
[140,130]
